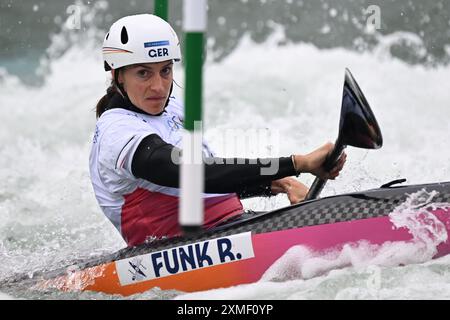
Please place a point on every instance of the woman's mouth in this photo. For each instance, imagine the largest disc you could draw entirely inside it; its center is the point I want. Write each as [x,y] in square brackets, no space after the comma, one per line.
[155,98]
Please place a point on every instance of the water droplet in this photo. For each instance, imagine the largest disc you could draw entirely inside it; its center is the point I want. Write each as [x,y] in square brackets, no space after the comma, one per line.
[221,20]
[333,12]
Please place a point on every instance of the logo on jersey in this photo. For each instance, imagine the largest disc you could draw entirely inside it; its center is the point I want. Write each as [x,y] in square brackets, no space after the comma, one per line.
[97,132]
[174,123]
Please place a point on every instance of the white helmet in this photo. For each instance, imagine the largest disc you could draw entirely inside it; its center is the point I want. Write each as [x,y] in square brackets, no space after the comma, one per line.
[142,38]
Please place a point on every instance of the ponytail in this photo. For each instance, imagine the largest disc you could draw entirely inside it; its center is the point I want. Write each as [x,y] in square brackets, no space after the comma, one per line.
[102,104]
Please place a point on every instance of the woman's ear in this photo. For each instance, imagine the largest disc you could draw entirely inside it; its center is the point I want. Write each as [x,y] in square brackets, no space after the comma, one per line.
[119,76]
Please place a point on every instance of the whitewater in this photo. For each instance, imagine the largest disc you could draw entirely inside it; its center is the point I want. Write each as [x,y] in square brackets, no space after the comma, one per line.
[50,217]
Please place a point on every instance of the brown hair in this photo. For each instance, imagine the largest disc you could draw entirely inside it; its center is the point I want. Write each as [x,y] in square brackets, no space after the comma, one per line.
[102,104]
[104,101]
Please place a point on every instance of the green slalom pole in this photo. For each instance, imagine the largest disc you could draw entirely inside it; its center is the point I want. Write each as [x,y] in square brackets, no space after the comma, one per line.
[161,9]
[192,170]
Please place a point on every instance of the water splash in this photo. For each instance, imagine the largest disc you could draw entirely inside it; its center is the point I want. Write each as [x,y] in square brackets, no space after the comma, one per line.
[416,215]
[301,262]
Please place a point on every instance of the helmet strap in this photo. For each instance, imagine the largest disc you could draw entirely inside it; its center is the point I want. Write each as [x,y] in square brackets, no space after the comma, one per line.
[119,85]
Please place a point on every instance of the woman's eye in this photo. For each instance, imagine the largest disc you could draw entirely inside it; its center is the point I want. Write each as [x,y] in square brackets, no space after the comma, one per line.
[142,73]
[166,71]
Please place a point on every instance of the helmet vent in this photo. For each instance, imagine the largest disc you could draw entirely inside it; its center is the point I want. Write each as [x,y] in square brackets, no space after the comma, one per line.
[107,36]
[106,66]
[124,35]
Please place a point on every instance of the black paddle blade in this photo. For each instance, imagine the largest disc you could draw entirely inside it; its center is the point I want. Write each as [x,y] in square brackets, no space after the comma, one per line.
[358,126]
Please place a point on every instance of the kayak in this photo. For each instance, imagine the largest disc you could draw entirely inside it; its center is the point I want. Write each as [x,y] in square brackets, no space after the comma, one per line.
[245,250]
[242,251]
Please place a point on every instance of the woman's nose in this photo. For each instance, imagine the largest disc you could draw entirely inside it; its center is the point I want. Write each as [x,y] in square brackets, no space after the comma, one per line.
[157,83]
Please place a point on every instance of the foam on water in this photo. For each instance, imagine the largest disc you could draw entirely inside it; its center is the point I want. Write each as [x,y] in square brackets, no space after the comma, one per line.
[5,297]
[422,281]
[49,213]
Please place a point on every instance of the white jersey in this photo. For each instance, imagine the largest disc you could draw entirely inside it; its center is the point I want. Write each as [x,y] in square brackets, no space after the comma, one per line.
[117,135]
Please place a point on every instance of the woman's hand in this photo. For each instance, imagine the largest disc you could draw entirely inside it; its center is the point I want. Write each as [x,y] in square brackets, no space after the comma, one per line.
[295,190]
[313,162]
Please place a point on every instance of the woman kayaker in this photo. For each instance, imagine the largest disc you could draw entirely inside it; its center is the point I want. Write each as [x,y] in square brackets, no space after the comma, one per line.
[133,172]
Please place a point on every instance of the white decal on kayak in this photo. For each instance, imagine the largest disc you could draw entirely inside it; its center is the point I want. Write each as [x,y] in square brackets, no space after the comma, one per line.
[185,258]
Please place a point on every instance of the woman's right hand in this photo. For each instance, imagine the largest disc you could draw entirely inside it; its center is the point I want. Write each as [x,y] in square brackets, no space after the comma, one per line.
[313,162]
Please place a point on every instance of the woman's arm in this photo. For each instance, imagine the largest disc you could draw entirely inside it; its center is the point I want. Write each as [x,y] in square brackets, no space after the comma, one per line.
[153,161]
[246,177]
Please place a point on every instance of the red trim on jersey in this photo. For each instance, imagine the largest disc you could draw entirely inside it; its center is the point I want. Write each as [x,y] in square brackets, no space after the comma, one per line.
[153,214]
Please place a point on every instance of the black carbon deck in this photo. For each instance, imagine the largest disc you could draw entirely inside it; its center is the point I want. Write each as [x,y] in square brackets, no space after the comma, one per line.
[353,206]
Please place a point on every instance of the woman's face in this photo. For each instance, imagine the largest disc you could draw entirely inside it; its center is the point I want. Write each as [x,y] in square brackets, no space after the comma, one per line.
[148,85]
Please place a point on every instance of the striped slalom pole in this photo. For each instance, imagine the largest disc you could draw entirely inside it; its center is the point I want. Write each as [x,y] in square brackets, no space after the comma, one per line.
[161,9]
[192,170]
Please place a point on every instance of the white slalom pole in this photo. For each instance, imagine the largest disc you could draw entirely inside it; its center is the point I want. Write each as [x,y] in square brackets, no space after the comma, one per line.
[192,171]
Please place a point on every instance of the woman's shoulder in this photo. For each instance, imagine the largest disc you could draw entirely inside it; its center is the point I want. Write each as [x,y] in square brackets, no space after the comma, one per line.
[119,121]
[116,113]
[119,116]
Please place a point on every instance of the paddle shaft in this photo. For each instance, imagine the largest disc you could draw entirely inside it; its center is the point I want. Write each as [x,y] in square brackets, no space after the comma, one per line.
[330,162]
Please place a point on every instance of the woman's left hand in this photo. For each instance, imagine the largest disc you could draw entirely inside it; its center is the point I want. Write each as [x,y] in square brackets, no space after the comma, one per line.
[295,190]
